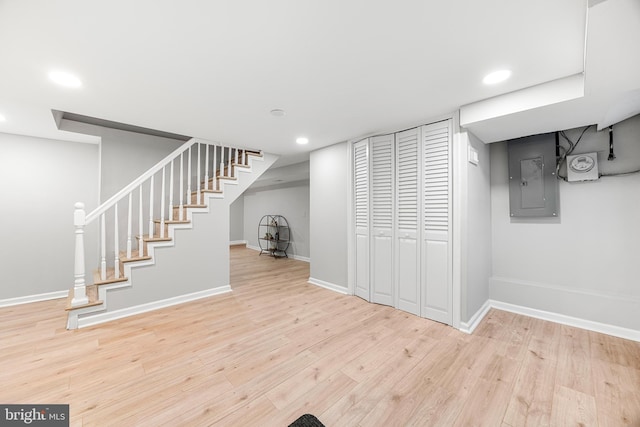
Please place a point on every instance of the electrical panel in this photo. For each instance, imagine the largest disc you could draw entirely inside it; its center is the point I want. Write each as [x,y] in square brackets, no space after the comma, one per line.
[533,186]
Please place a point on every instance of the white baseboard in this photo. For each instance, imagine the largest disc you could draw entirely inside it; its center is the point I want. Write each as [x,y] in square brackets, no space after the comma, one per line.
[328,285]
[598,311]
[616,331]
[603,328]
[237,242]
[33,298]
[472,324]
[143,308]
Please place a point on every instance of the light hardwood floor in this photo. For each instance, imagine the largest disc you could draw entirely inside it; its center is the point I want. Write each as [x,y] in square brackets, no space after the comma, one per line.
[276,348]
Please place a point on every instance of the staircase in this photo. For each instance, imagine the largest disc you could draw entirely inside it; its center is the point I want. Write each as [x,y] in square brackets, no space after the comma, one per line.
[194,184]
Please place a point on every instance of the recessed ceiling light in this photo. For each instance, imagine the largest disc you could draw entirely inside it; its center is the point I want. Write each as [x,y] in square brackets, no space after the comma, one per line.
[278,112]
[496,77]
[302,141]
[2,118]
[64,79]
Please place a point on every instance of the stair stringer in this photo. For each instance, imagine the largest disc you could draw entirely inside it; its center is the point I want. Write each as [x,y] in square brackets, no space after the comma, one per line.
[196,264]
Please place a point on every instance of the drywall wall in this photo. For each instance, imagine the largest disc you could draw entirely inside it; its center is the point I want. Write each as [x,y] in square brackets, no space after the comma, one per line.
[236,220]
[40,181]
[126,155]
[290,200]
[329,186]
[478,231]
[584,263]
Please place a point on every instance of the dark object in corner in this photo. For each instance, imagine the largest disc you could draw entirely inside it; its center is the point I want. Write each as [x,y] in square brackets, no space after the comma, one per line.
[307,420]
[611,155]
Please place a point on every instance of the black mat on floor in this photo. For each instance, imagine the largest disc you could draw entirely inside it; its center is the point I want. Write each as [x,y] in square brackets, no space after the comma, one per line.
[307,420]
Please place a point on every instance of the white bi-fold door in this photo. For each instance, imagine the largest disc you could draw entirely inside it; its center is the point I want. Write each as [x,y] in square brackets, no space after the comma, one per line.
[402,218]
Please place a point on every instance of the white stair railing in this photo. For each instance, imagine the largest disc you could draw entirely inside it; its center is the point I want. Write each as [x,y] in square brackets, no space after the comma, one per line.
[111,226]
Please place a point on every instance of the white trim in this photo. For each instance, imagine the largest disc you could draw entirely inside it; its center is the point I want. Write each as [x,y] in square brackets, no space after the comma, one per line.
[590,325]
[143,308]
[327,285]
[237,242]
[472,324]
[458,221]
[253,248]
[616,331]
[33,298]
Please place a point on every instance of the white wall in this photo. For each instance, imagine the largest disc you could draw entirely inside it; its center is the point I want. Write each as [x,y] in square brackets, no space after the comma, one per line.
[329,215]
[40,181]
[290,200]
[584,263]
[236,220]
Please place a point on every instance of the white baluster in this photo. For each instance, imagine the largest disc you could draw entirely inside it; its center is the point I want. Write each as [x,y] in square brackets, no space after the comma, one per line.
[244,157]
[189,177]
[222,161]
[171,217]
[103,249]
[180,208]
[140,226]
[206,166]
[116,244]
[162,197]
[198,177]
[236,162]
[229,174]
[79,287]
[215,165]
[151,185]
[129,226]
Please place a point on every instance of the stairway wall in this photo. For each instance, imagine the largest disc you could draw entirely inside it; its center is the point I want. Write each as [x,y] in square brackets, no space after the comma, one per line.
[40,180]
[197,263]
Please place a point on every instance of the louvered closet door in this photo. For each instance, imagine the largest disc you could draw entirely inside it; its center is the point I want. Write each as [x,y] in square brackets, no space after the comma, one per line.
[436,249]
[382,219]
[361,209]
[407,220]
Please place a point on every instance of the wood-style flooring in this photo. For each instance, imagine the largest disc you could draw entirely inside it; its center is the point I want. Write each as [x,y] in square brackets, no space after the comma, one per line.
[276,348]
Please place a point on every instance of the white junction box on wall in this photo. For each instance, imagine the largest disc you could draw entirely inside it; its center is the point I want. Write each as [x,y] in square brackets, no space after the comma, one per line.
[582,167]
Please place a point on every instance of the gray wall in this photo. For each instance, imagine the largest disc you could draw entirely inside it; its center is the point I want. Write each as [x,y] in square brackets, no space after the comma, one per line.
[127,155]
[290,200]
[584,263]
[236,220]
[40,181]
[329,186]
[475,290]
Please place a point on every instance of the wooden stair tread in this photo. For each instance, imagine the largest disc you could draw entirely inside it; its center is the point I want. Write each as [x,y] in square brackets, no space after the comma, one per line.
[154,238]
[134,257]
[97,280]
[172,221]
[92,294]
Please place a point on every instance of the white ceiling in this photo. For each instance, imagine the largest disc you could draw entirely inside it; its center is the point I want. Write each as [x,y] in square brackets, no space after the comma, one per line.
[340,69]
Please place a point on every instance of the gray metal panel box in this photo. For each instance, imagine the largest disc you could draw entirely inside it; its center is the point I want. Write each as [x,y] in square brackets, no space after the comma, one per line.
[533,187]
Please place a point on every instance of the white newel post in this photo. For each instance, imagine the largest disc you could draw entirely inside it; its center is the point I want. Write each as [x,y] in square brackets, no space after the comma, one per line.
[79,287]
